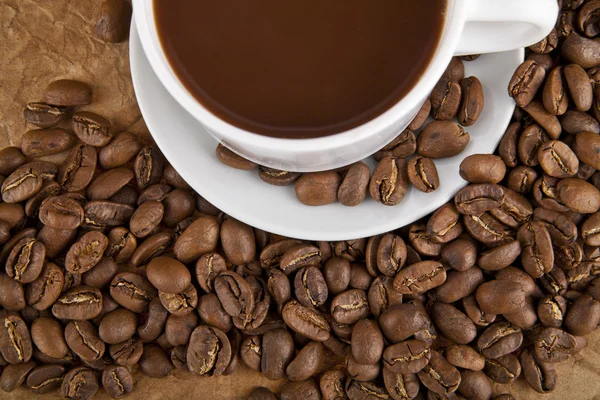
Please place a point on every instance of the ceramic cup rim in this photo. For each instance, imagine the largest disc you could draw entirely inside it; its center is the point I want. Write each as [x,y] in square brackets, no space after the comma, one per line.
[453,25]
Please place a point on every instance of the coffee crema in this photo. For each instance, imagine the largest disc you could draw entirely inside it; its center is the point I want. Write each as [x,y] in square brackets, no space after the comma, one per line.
[299,68]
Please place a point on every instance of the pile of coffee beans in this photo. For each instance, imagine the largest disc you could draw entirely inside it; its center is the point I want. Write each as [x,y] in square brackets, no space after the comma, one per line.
[113,265]
[406,160]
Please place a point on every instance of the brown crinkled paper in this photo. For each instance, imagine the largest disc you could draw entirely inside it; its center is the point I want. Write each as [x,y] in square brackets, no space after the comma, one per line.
[44,40]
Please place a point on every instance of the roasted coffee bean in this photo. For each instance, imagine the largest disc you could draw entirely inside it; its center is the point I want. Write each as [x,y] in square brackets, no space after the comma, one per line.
[455,70]
[310,287]
[351,250]
[465,357]
[306,363]
[475,385]
[574,121]
[439,375]
[77,171]
[212,312]
[482,168]
[547,44]
[235,294]
[179,205]
[262,393]
[14,375]
[238,242]
[474,312]
[296,257]
[441,139]
[590,230]
[277,177]
[126,195]
[401,321]
[118,326]
[422,173]
[10,159]
[41,293]
[367,342]
[364,390]
[551,311]
[117,381]
[530,141]
[504,369]
[354,186]
[307,389]
[472,101]
[555,95]
[61,212]
[459,284]
[562,230]
[583,316]
[233,160]
[521,179]
[423,242]
[80,384]
[391,254]
[119,151]
[540,376]
[405,144]
[178,329]
[100,214]
[460,254]
[86,252]
[152,246]
[350,306]
[48,336]
[25,261]
[546,194]
[318,188]
[476,199]
[500,296]
[408,357]
[181,303]
[525,82]
[168,275]
[499,339]
[455,325]
[332,384]
[445,99]
[127,353]
[199,238]
[32,206]
[554,345]
[557,159]
[45,142]
[547,121]
[251,352]
[132,291]
[15,340]
[102,274]
[80,303]
[209,351]
[308,322]
[580,87]
[44,115]
[148,166]
[277,353]
[536,249]
[579,195]
[109,183]
[155,362]
[587,148]
[389,181]
[382,296]
[82,338]
[112,26]
[336,273]
[92,129]
[208,267]
[272,254]
[420,277]
[400,386]
[22,184]
[66,92]
[45,378]
[362,372]
[444,225]
[121,244]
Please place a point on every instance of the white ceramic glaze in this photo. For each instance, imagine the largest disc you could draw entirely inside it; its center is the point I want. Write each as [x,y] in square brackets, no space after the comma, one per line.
[488,25]
[244,196]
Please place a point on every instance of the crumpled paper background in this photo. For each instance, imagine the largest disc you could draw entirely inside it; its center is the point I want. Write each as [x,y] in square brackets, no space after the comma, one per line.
[44,40]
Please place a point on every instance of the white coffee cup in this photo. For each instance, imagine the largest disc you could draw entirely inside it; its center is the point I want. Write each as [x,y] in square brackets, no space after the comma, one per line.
[471,27]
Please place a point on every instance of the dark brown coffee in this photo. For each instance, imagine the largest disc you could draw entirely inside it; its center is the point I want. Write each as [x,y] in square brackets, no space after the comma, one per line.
[298,68]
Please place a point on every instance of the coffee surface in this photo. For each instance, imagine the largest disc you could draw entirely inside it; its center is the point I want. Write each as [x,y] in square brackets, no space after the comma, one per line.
[299,68]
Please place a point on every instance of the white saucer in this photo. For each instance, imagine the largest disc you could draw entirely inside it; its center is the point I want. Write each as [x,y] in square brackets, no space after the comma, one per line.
[241,194]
